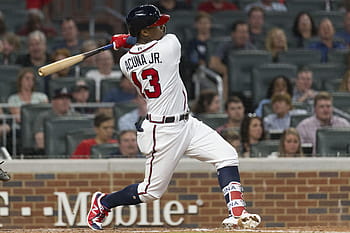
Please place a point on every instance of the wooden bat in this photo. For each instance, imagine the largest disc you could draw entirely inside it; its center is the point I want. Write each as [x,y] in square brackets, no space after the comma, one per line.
[69,61]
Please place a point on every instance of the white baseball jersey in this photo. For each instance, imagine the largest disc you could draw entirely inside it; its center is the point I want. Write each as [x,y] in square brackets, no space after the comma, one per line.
[154,70]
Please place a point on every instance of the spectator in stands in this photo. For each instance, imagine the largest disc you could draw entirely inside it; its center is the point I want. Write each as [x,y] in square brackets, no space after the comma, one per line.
[240,41]
[345,33]
[125,92]
[282,110]
[127,146]
[345,83]
[104,128]
[212,6]
[303,92]
[44,5]
[57,55]
[34,22]
[61,102]
[267,5]
[25,93]
[10,46]
[197,49]
[70,34]
[323,117]
[168,6]
[276,42]
[207,102]
[89,45]
[128,120]
[232,137]
[290,144]
[80,95]
[252,131]
[304,28]
[257,30]
[234,109]
[105,64]
[2,24]
[37,55]
[327,40]
[280,84]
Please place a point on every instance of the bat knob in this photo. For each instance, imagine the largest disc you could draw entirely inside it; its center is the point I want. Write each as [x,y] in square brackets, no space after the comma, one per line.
[131,40]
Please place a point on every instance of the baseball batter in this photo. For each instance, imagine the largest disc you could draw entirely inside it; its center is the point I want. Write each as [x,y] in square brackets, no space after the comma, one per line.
[169,131]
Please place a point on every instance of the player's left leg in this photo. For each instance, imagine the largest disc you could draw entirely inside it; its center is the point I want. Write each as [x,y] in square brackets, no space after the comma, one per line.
[101,204]
[163,144]
[207,145]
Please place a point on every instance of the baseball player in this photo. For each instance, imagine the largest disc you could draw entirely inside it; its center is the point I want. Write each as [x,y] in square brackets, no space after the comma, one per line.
[169,131]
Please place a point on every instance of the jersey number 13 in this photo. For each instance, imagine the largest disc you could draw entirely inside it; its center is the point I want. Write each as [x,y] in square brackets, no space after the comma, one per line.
[153,78]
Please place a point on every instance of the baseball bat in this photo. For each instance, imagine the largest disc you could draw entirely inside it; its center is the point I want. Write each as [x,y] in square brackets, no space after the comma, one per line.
[69,61]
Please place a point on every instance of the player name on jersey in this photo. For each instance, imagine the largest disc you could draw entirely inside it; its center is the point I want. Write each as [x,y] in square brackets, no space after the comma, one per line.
[141,59]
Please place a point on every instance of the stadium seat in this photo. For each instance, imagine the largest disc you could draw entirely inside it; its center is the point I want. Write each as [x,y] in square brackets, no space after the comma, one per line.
[69,82]
[130,4]
[108,84]
[300,57]
[336,17]
[180,19]
[216,42]
[296,119]
[279,19]
[214,120]
[295,6]
[85,69]
[73,138]
[104,150]
[312,5]
[325,71]
[332,141]
[240,68]
[8,77]
[243,4]
[338,56]
[341,100]
[263,74]
[264,148]
[120,109]
[332,85]
[227,18]
[29,113]
[55,130]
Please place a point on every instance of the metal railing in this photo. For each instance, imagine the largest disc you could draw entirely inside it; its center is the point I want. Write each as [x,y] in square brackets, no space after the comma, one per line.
[205,74]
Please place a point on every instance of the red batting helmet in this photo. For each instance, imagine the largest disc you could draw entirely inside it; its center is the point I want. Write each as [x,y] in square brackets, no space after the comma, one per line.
[145,16]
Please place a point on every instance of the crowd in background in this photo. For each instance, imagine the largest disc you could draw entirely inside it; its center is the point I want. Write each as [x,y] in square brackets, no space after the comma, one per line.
[38,42]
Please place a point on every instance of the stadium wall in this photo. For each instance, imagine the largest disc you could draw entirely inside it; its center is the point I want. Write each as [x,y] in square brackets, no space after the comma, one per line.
[286,192]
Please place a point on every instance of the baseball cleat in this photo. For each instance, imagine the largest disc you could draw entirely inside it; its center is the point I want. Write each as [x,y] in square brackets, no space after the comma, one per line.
[97,213]
[245,221]
[3,175]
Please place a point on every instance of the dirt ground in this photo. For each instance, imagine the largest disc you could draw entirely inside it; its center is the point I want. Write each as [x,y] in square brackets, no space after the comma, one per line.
[185,230]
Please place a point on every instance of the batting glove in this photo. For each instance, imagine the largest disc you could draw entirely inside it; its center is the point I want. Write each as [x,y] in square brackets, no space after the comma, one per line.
[123,41]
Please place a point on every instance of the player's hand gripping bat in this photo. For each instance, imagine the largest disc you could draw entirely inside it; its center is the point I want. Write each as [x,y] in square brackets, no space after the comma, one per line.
[117,42]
